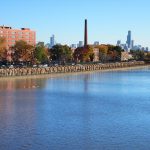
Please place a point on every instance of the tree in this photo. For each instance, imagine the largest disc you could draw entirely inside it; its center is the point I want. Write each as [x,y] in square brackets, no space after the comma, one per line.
[23,51]
[88,54]
[78,54]
[103,49]
[2,47]
[147,56]
[61,53]
[41,54]
[83,54]
[118,49]
[138,54]
[109,52]
[117,52]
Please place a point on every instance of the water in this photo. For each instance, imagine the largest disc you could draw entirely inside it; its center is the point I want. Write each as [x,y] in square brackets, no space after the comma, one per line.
[108,111]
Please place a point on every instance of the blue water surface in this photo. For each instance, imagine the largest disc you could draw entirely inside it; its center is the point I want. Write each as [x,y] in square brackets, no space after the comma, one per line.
[92,111]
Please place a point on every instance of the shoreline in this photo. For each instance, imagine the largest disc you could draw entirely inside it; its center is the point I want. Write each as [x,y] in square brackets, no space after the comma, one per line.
[56,75]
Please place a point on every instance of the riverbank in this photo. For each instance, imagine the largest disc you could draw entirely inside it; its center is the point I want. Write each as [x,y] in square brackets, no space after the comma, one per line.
[58,71]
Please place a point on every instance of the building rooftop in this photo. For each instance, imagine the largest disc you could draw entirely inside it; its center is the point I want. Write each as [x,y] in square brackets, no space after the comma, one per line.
[7,27]
[25,28]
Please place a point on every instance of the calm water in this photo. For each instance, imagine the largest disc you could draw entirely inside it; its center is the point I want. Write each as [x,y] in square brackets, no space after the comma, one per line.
[108,111]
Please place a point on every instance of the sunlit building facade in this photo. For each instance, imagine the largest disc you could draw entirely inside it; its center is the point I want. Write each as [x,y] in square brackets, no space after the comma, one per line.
[13,35]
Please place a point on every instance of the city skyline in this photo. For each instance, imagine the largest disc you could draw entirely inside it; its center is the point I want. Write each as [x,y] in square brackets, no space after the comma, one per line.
[130,44]
[106,24]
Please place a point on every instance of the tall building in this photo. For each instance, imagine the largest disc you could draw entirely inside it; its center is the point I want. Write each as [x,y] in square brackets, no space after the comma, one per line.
[73,46]
[13,35]
[52,41]
[80,44]
[85,34]
[47,45]
[96,43]
[129,39]
[118,43]
[132,44]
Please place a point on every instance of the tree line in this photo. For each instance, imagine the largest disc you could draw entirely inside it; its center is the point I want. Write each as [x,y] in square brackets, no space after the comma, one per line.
[24,52]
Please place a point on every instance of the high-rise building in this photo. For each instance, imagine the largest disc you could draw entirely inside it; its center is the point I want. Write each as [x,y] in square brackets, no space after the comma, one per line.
[73,46]
[52,41]
[13,35]
[118,43]
[80,44]
[132,44]
[129,39]
[96,43]
[47,45]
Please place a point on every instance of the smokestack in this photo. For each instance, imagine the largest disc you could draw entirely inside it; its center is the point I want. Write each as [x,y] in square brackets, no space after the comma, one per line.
[85,34]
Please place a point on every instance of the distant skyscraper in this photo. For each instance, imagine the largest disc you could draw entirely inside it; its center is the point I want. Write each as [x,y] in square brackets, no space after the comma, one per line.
[129,39]
[73,45]
[96,43]
[132,44]
[52,41]
[47,45]
[118,43]
[126,47]
[80,44]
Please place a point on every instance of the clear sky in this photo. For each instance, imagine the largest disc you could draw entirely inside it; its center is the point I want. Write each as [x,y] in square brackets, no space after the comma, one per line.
[108,20]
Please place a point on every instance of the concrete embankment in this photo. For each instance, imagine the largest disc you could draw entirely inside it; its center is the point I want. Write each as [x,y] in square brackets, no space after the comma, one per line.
[15,72]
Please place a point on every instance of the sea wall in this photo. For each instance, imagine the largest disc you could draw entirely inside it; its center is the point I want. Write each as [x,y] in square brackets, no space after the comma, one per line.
[12,72]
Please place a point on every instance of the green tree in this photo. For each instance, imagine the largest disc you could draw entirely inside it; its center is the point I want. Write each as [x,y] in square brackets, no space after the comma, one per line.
[41,54]
[61,53]
[138,54]
[114,52]
[118,49]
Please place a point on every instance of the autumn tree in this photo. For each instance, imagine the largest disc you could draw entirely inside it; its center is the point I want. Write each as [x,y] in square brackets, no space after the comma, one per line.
[78,54]
[88,54]
[2,48]
[103,51]
[23,51]
[83,54]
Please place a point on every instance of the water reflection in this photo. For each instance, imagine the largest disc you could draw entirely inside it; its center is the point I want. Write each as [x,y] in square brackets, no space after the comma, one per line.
[84,112]
[15,84]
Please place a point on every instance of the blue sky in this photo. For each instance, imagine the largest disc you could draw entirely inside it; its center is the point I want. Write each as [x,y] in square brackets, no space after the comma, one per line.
[108,20]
